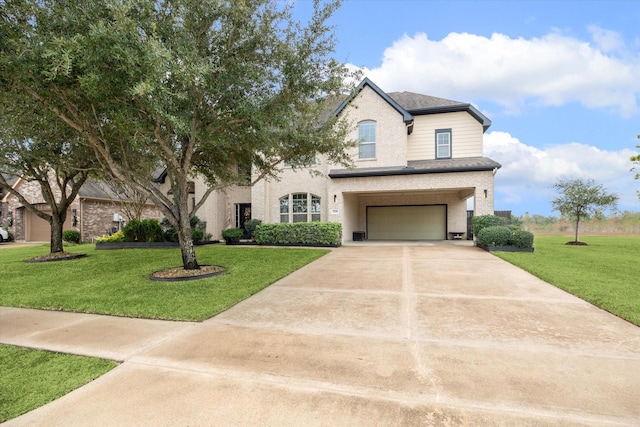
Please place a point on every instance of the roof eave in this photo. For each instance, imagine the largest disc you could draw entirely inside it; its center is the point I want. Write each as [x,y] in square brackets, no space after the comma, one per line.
[473,111]
[412,171]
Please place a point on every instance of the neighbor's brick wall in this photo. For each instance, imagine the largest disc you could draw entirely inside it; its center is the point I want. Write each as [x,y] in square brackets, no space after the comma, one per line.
[96,217]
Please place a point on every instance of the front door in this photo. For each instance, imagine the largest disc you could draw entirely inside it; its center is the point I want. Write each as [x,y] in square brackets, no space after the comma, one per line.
[243,214]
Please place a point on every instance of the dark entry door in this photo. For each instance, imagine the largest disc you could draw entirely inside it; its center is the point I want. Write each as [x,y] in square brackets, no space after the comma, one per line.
[243,214]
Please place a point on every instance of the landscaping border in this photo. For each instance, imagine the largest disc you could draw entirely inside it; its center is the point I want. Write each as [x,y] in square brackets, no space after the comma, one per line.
[505,248]
[155,278]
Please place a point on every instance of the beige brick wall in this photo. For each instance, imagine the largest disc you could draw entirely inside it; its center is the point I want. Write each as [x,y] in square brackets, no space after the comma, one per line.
[391,131]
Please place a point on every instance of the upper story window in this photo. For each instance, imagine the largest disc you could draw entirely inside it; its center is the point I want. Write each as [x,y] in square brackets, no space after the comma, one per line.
[299,207]
[443,143]
[367,139]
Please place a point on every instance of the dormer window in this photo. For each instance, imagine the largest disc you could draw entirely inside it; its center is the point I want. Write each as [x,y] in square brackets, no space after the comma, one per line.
[367,139]
[443,143]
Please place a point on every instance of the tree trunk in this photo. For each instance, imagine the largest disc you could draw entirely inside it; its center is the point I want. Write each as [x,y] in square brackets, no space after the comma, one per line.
[187,249]
[56,234]
[577,222]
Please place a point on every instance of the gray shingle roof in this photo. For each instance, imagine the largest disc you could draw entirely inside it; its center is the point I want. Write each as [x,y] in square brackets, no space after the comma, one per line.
[415,101]
[93,189]
[417,167]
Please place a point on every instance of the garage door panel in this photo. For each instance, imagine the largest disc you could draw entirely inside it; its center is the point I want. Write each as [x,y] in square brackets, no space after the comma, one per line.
[407,222]
[39,229]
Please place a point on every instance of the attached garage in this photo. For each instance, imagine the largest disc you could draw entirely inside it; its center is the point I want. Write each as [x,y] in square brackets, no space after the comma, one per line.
[428,222]
[37,229]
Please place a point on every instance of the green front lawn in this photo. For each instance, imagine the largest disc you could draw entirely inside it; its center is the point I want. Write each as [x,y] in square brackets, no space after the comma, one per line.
[606,272]
[116,282]
[32,378]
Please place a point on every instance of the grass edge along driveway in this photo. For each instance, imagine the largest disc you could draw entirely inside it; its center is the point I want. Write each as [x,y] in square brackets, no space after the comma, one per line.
[32,378]
[606,273]
[115,282]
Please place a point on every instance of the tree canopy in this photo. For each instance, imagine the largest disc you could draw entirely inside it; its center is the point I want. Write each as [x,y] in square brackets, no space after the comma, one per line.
[38,149]
[196,88]
[578,199]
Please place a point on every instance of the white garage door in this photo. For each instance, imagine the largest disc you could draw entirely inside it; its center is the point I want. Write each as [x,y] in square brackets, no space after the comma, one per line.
[407,222]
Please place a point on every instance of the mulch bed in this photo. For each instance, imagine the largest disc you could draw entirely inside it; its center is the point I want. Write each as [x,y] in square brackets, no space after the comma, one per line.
[56,256]
[176,274]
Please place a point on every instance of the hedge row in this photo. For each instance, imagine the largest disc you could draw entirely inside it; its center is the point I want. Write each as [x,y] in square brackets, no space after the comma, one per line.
[305,233]
[483,221]
[504,236]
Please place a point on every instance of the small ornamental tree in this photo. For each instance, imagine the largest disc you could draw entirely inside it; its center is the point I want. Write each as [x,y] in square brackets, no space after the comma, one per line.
[636,161]
[580,199]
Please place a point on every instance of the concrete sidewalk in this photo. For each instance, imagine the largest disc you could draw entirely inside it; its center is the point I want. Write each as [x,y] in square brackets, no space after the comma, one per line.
[367,335]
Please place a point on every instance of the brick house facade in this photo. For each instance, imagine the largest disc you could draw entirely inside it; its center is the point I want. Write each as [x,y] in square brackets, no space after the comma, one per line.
[418,161]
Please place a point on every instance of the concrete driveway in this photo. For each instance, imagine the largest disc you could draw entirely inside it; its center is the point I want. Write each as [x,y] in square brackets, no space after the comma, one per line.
[368,335]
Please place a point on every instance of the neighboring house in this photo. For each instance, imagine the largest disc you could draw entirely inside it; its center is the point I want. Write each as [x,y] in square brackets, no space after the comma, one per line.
[6,218]
[418,160]
[97,210]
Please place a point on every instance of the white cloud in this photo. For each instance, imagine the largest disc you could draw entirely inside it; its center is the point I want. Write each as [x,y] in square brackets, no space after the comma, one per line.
[515,72]
[528,172]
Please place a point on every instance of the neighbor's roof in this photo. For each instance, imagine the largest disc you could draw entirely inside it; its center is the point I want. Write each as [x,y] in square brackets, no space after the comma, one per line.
[418,167]
[93,189]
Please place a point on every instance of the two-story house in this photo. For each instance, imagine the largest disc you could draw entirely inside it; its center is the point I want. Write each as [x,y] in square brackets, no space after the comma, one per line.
[418,160]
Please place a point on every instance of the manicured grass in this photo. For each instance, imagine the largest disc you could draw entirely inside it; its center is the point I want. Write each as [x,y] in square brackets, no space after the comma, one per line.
[32,378]
[606,272]
[116,282]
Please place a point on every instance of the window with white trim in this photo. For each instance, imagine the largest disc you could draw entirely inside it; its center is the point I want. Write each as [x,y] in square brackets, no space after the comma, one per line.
[443,143]
[300,207]
[367,139]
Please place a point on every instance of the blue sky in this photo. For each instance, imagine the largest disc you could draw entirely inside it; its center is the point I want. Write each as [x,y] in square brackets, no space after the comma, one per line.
[560,80]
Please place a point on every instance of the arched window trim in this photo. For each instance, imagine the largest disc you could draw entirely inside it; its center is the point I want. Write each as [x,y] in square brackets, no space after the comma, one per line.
[300,207]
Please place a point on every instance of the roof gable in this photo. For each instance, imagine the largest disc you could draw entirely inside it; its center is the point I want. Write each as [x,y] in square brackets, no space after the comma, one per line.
[406,116]
[410,104]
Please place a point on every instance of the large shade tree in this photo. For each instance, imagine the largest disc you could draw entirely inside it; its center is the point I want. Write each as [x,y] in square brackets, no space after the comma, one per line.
[197,88]
[578,199]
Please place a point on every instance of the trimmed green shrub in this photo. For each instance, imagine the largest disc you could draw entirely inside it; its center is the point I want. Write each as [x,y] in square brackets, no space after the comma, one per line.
[147,230]
[232,235]
[521,239]
[118,236]
[250,227]
[198,230]
[505,236]
[305,233]
[494,236]
[483,221]
[71,236]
